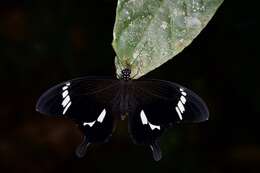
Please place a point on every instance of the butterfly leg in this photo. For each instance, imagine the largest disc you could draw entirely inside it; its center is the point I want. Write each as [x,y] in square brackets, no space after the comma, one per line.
[155,147]
[82,148]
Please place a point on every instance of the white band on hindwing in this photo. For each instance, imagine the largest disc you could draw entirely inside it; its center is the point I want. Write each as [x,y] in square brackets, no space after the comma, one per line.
[100,119]
[145,121]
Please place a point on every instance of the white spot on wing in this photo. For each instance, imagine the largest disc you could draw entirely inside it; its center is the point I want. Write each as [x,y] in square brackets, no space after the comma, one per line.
[154,126]
[181,107]
[184,93]
[178,112]
[65,88]
[145,121]
[66,101]
[143,118]
[66,108]
[99,119]
[102,116]
[183,99]
[90,124]
[65,93]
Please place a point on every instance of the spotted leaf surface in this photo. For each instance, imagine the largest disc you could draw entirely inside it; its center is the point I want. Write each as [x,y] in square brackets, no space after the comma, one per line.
[148,33]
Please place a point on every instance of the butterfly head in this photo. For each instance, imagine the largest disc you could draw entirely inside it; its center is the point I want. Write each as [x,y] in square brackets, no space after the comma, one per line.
[126,74]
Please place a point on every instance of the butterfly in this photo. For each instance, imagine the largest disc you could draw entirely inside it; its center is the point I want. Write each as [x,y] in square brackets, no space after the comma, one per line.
[96,104]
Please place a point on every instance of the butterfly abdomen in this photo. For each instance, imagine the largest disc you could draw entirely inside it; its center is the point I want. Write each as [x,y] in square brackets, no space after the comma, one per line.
[124,98]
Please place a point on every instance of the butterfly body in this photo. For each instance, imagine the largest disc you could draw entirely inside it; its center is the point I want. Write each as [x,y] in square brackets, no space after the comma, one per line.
[96,104]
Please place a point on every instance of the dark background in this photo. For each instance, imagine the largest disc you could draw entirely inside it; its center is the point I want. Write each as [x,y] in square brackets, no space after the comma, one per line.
[44,42]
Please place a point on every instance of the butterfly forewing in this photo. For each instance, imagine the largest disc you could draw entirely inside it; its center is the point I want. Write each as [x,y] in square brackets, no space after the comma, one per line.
[169,103]
[88,101]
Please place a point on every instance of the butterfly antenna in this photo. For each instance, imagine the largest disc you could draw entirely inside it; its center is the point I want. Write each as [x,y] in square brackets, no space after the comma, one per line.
[157,154]
[82,148]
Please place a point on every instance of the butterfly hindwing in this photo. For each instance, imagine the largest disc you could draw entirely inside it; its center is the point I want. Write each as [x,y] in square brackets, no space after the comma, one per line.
[87,101]
[142,131]
[160,104]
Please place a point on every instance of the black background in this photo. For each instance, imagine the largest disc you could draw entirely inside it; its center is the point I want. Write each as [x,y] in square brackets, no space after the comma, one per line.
[44,42]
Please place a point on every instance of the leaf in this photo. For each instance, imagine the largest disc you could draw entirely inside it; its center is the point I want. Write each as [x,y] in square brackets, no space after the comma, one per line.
[148,33]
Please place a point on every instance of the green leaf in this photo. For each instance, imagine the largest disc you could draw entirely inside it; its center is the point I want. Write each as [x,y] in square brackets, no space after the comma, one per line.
[148,33]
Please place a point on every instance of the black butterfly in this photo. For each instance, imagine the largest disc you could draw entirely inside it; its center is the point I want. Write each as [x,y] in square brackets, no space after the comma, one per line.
[96,104]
